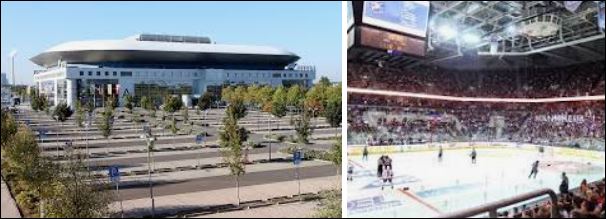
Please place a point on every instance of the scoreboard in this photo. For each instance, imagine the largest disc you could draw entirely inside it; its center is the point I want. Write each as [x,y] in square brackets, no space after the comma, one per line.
[391,42]
[408,17]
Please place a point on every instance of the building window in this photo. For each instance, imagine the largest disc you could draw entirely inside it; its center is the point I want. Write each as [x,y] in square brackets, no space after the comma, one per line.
[277,75]
[106,73]
[90,73]
[98,73]
[81,73]
[301,75]
[306,76]
[115,73]
[126,74]
[228,75]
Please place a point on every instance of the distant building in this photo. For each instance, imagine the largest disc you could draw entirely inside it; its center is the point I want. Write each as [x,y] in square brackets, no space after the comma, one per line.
[4,79]
[159,65]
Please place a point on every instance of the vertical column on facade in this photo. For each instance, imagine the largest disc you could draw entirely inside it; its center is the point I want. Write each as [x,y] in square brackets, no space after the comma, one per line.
[56,91]
[71,92]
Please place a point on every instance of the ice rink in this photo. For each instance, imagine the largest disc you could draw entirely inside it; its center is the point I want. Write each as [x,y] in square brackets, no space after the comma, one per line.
[456,184]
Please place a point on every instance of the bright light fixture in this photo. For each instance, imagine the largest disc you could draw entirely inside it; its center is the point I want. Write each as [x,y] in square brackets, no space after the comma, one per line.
[471,38]
[447,32]
[511,30]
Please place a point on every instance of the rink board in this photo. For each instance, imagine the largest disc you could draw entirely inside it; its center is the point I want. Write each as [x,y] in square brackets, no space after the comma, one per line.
[436,188]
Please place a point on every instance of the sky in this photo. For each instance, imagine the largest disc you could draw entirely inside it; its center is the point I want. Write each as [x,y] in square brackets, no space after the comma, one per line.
[312,30]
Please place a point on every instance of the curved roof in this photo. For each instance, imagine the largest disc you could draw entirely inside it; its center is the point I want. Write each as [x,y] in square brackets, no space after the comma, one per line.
[133,51]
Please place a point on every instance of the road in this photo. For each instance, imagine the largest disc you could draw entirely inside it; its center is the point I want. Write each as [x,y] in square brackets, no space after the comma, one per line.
[141,190]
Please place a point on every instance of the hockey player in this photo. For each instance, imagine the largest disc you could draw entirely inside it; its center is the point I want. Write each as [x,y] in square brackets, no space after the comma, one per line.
[535,170]
[440,154]
[350,171]
[474,156]
[365,154]
[387,177]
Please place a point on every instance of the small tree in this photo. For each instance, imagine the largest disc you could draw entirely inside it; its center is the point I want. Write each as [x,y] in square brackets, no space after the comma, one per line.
[80,114]
[148,105]
[129,104]
[78,195]
[107,122]
[231,141]
[205,101]
[314,100]
[336,155]
[226,93]
[295,97]
[331,206]
[62,112]
[303,128]
[9,128]
[279,102]
[333,112]
[172,105]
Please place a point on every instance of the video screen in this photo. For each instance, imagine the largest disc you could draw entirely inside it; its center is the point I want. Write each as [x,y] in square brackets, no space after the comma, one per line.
[410,17]
[391,42]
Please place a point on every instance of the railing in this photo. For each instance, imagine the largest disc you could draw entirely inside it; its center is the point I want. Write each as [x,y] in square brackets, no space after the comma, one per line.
[492,208]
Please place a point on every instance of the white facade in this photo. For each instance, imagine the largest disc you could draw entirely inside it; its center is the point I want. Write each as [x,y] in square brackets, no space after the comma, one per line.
[158,65]
[60,84]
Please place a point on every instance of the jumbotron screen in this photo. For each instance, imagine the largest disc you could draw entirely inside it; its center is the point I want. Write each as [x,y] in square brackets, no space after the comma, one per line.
[391,42]
[409,17]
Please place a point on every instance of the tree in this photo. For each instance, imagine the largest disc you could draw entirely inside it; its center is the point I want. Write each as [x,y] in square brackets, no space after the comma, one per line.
[314,100]
[111,102]
[9,128]
[38,102]
[295,96]
[78,195]
[333,111]
[185,115]
[331,206]
[264,98]
[80,114]
[335,155]
[279,101]
[148,105]
[205,101]
[107,122]
[252,96]
[62,112]
[237,108]
[226,93]
[231,141]
[324,82]
[32,172]
[172,105]
[128,103]
[303,128]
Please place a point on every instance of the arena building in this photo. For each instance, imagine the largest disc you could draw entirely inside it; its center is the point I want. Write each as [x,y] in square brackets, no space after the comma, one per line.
[158,65]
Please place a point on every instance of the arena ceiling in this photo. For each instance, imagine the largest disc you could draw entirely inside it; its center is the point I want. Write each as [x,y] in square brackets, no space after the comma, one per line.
[577,38]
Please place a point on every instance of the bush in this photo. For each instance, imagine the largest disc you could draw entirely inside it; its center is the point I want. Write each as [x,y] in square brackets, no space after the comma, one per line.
[27,200]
